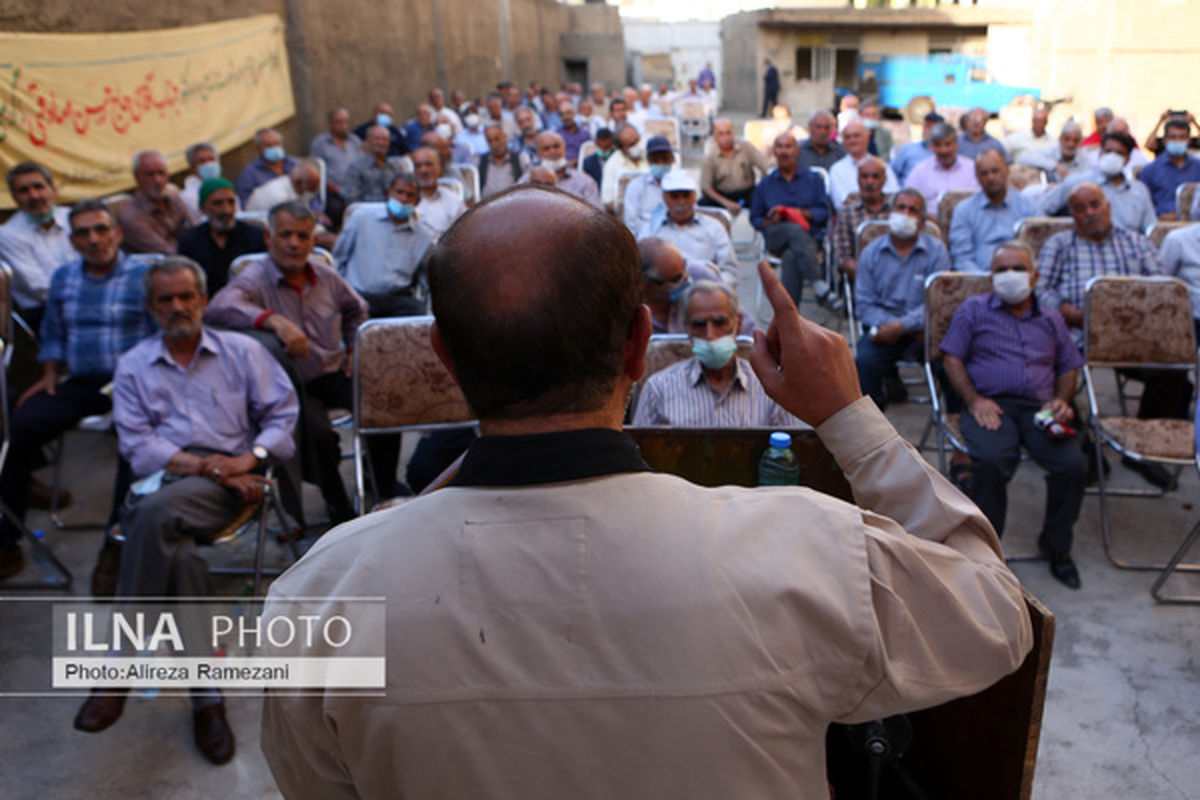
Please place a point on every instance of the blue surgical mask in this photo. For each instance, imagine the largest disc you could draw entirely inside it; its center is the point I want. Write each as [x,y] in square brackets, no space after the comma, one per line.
[714,353]
[1176,148]
[274,154]
[659,170]
[383,119]
[209,169]
[604,154]
[677,292]
[400,211]
[43,219]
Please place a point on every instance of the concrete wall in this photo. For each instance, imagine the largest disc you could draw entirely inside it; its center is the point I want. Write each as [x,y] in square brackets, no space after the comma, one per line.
[689,45]
[740,77]
[358,52]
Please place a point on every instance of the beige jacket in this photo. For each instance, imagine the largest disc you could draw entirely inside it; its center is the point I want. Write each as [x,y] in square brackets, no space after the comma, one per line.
[637,636]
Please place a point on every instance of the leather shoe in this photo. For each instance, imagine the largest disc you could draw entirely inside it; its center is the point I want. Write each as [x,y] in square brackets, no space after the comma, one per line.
[212,732]
[108,568]
[1155,474]
[40,494]
[12,561]
[1062,567]
[100,710]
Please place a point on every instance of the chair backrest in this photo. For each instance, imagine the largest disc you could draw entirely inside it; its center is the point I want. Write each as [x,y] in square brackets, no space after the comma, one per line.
[694,111]
[4,404]
[823,174]
[1185,196]
[1138,320]
[454,185]
[1159,230]
[470,174]
[399,382]
[1023,175]
[946,204]
[665,127]
[1034,231]
[871,229]
[258,218]
[622,183]
[241,261]
[585,150]
[944,293]
[719,214]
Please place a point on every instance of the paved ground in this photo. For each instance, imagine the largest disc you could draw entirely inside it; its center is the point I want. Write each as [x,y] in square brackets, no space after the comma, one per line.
[1120,719]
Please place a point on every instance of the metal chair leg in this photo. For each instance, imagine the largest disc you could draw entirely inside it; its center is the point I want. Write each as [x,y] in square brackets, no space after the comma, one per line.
[1174,566]
[41,554]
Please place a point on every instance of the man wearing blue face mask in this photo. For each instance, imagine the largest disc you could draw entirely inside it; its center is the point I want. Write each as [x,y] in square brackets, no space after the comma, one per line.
[1012,361]
[714,388]
[643,195]
[1172,167]
[382,115]
[380,250]
[272,162]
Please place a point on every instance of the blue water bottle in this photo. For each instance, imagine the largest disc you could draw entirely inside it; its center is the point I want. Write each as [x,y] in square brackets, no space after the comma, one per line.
[778,465]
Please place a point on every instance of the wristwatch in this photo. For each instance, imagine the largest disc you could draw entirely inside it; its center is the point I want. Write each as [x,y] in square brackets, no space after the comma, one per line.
[260,452]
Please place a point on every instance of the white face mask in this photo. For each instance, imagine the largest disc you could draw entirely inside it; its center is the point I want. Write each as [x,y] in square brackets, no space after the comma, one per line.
[902,225]
[554,165]
[1011,286]
[1110,164]
[471,121]
[445,130]
[635,152]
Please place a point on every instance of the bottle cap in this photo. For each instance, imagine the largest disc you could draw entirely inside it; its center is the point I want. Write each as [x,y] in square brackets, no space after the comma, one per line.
[781,440]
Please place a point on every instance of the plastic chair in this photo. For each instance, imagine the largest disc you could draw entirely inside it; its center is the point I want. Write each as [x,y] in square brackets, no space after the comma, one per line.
[1137,322]
[400,385]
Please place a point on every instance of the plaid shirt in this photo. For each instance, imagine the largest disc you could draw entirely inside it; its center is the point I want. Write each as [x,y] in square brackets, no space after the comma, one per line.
[852,215]
[90,321]
[1068,261]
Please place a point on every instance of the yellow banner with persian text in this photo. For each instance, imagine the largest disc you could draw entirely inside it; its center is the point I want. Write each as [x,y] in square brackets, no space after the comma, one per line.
[84,104]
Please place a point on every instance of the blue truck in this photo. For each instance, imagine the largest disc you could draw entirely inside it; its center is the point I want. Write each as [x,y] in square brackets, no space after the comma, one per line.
[951,80]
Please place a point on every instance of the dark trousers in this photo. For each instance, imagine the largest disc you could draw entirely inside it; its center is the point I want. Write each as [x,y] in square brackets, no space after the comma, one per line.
[1166,393]
[770,98]
[798,253]
[40,420]
[399,303]
[994,458]
[876,361]
[742,197]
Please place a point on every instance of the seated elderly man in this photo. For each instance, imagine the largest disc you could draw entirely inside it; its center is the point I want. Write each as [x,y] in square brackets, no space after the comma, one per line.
[573,134]
[819,149]
[382,115]
[203,163]
[907,156]
[593,165]
[441,145]
[196,469]
[1101,118]
[379,252]
[216,242]
[714,388]
[472,138]
[499,167]
[975,139]
[666,275]
[1036,138]
[1172,167]
[1011,361]
[698,236]
[727,173]
[541,176]
[301,183]
[946,171]
[338,147]
[1181,258]
[153,219]
[439,205]
[643,194]
[1097,247]
[95,311]
[628,157]
[790,208]
[418,126]
[880,140]
[527,130]
[1129,199]
[312,316]
[1062,160]
[34,241]
[369,176]
[889,292]
[871,203]
[988,217]
[566,177]
[272,162]
[843,175]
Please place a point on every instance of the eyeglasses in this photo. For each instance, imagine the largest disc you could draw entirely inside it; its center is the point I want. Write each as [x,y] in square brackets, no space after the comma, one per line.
[97,229]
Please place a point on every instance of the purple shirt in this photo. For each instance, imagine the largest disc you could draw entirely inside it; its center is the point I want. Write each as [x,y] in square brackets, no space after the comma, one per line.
[1009,355]
[232,396]
[573,141]
[327,310]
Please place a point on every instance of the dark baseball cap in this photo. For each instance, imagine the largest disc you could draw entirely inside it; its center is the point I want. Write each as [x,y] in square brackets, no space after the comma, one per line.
[658,144]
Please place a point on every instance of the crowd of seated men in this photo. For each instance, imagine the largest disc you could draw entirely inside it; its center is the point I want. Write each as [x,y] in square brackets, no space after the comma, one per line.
[150,288]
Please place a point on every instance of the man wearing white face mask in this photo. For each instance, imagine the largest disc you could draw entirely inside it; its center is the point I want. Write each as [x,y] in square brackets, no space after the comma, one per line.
[1132,208]
[713,388]
[550,149]
[1013,362]
[889,292]
[628,157]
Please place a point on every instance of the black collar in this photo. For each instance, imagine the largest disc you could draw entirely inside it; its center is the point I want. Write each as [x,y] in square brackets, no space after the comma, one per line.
[548,458]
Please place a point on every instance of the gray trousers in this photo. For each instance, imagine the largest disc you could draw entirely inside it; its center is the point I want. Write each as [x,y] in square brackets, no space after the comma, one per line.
[797,252]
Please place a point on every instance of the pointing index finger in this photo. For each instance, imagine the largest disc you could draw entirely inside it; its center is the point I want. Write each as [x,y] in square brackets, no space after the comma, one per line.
[786,315]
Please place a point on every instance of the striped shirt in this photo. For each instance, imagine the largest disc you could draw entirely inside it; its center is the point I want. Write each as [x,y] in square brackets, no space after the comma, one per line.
[1068,261]
[90,321]
[853,214]
[680,397]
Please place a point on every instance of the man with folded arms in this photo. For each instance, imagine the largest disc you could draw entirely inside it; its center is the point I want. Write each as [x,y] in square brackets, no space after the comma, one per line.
[199,414]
